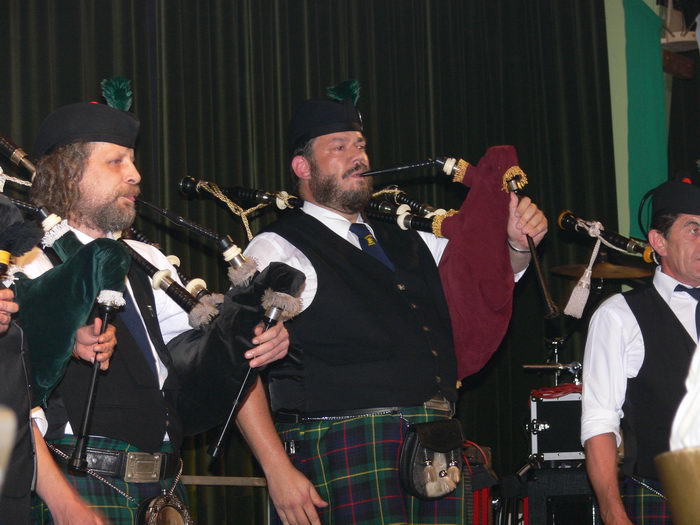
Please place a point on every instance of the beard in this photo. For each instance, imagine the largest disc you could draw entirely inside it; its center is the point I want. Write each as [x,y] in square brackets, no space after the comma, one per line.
[327,191]
[107,216]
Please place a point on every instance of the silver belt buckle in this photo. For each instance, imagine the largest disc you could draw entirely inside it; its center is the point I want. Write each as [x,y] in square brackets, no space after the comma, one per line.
[142,467]
[438,402]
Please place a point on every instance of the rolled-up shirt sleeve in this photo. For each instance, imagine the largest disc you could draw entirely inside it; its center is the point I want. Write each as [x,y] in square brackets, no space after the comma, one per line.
[40,420]
[614,353]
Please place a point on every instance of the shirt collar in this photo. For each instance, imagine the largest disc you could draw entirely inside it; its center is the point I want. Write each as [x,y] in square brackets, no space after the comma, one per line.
[331,219]
[84,237]
[666,285]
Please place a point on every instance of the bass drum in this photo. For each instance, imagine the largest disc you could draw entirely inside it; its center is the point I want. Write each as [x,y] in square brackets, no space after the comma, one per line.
[163,510]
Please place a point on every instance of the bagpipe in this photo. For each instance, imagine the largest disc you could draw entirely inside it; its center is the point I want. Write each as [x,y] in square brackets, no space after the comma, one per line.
[208,360]
[475,268]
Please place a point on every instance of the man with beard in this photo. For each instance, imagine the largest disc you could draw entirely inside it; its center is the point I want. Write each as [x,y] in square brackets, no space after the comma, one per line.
[86,173]
[372,350]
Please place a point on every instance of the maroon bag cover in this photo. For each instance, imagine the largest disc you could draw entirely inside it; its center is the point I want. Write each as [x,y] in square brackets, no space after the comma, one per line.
[475,268]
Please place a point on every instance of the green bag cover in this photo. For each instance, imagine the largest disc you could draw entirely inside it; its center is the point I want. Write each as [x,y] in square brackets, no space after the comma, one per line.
[54,305]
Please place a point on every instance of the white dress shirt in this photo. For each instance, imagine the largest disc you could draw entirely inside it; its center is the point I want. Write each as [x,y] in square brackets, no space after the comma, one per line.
[685,431]
[172,318]
[270,247]
[615,353]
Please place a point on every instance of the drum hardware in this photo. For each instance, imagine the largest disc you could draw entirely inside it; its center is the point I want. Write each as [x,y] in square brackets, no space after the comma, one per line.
[574,368]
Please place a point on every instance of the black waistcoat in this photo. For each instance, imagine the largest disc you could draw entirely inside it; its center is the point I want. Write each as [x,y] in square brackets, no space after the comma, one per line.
[654,394]
[15,394]
[371,337]
[129,404]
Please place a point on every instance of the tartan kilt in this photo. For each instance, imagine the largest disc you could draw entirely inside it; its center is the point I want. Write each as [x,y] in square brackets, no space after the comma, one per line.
[643,507]
[116,508]
[353,463]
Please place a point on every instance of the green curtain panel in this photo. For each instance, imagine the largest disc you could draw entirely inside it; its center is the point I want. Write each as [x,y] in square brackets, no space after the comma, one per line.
[646,114]
[215,82]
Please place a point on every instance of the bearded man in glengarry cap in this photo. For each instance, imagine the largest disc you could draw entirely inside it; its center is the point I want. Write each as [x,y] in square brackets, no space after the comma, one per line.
[86,173]
[371,351]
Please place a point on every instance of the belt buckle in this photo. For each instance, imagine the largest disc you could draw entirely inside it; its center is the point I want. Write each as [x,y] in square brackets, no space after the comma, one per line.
[142,467]
[438,403]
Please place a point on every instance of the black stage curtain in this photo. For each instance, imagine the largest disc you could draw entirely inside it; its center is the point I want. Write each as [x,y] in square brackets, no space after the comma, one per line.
[684,124]
[215,82]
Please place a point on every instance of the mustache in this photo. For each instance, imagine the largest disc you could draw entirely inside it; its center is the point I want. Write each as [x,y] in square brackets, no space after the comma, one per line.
[359,167]
[133,192]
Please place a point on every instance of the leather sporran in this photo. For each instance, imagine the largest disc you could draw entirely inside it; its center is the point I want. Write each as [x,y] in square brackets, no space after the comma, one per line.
[430,465]
[166,509]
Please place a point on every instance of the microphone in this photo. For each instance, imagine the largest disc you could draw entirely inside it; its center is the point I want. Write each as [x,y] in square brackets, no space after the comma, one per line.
[16,155]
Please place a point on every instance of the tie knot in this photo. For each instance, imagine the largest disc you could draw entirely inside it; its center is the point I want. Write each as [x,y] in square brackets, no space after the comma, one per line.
[693,292]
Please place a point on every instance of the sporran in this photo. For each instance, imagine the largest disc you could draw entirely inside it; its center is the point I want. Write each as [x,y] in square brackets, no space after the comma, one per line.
[430,465]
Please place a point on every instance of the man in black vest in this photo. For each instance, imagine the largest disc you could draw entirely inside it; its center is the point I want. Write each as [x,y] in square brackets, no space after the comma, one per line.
[637,357]
[371,351]
[86,173]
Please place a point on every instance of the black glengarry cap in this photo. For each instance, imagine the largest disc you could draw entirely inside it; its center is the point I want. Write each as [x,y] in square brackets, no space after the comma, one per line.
[676,197]
[316,117]
[86,122]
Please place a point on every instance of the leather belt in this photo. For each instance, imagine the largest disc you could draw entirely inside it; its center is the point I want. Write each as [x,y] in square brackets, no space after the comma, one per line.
[133,467]
[436,402]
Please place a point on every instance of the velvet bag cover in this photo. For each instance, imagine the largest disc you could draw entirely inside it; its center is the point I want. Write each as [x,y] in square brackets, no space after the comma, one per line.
[210,362]
[54,305]
[475,268]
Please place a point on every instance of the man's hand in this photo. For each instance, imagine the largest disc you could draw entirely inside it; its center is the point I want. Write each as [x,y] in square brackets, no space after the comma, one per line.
[525,218]
[66,506]
[271,345]
[90,345]
[294,497]
[75,512]
[7,308]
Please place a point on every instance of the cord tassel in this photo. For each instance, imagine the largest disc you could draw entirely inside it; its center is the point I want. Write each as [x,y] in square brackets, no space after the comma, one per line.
[579,295]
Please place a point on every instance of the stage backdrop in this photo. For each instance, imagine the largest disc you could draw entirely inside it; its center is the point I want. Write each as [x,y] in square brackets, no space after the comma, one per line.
[215,82]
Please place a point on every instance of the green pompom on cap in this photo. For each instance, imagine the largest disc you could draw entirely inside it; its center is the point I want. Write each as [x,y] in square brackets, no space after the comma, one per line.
[346,90]
[117,92]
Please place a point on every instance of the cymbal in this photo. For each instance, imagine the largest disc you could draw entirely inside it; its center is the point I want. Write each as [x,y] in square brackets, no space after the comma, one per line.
[604,270]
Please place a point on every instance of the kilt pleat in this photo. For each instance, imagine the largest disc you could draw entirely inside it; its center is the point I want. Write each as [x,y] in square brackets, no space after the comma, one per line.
[642,505]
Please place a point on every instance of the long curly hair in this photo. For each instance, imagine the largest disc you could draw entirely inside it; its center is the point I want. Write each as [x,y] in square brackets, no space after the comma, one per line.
[58,175]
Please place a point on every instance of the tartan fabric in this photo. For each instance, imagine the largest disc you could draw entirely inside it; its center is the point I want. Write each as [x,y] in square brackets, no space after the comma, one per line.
[353,463]
[643,507]
[104,499]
